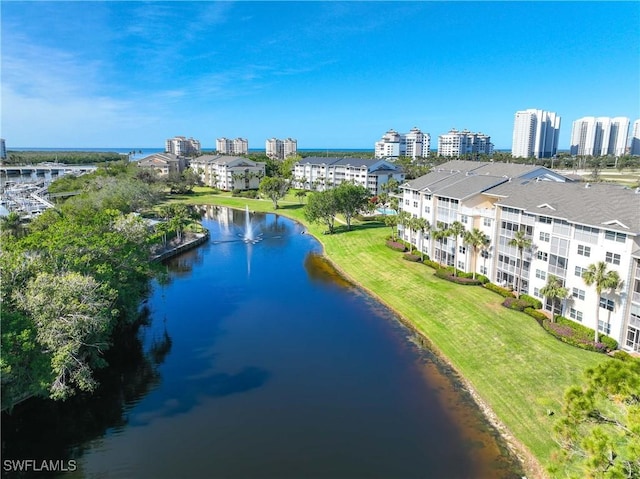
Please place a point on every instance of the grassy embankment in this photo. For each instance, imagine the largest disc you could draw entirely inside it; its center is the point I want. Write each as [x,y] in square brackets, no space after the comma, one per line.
[511,363]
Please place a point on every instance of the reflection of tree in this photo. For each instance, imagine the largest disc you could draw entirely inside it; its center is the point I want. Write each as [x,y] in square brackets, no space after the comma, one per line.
[182,265]
[321,271]
[63,427]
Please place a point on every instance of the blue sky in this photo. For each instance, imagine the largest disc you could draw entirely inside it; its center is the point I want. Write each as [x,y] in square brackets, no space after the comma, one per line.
[330,74]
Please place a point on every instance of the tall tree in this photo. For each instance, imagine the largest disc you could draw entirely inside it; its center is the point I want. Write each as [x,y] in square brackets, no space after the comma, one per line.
[596,274]
[440,233]
[421,225]
[73,318]
[477,239]
[392,222]
[599,430]
[351,199]
[274,188]
[404,220]
[457,230]
[322,207]
[554,291]
[11,224]
[522,242]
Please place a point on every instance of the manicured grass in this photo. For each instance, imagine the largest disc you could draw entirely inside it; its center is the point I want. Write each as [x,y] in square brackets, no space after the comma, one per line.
[513,365]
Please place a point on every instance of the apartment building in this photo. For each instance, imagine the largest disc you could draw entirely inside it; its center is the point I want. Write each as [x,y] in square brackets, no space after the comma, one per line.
[229,172]
[317,173]
[182,146]
[413,144]
[163,163]
[3,149]
[461,143]
[226,146]
[535,134]
[634,143]
[571,225]
[599,136]
[281,149]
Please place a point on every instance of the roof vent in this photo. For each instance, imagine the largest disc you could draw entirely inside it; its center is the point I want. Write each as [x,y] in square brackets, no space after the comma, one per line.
[588,185]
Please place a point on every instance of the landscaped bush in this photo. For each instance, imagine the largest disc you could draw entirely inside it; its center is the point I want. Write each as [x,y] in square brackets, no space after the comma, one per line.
[448,275]
[535,303]
[396,246]
[506,293]
[245,193]
[578,335]
[537,315]
[411,257]
[433,264]
[516,304]
[483,279]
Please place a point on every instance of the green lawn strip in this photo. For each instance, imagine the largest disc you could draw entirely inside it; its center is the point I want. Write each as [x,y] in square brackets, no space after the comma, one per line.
[518,369]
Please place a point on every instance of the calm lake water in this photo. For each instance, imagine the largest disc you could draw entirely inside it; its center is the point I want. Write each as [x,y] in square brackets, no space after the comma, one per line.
[259,361]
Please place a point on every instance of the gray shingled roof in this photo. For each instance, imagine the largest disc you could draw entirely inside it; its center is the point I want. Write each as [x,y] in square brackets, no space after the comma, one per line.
[458,185]
[510,170]
[600,205]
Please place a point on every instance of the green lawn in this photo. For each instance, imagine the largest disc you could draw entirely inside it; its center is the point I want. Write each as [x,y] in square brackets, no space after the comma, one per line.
[514,366]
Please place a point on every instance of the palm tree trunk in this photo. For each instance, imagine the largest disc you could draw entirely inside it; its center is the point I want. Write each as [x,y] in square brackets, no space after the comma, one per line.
[597,316]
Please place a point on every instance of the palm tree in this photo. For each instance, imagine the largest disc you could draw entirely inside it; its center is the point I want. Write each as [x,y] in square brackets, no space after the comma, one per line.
[439,234]
[598,275]
[457,230]
[11,224]
[521,242]
[421,225]
[554,290]
[404,219]
[477,239]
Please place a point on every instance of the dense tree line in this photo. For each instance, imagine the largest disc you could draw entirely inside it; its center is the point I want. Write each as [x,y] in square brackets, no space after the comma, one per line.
[73,277]
[66,157]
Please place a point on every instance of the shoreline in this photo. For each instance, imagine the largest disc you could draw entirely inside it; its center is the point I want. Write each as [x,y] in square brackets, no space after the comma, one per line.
[527,460]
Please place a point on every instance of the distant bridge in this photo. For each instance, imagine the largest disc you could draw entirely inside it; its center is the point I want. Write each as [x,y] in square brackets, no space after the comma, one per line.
[56,168]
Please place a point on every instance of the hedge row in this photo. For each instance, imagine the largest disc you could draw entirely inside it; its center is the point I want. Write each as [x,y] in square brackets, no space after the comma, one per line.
[506,293]
[411,257]
[448,275]
[578,335]
[535,303]
[396,246]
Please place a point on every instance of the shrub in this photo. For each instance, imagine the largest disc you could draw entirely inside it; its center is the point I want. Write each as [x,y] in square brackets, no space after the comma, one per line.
[448,275]
[394,245]
[433,264]
[535,303]
[578,335]
[506,293]
[537,315]
[245,193]
[411,257]
[514,303]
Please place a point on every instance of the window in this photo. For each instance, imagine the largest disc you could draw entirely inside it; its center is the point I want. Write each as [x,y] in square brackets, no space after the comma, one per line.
[604,327]
[462,249]
[578,293]
[542,256]
[484,254]
[575,314]
[607,304]
[586,234]
[464,219]
[536,292]
[561,227]
[546,237]
[427,209]
[584,250]
[406,202]
[615,236]
[486,221]
[483,270]
[612,258]
[415,204]
[540,274]
[461,265]
[544,219]
[579,271]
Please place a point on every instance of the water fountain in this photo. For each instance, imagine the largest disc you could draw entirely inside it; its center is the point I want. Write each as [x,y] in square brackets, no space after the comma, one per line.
[249,234]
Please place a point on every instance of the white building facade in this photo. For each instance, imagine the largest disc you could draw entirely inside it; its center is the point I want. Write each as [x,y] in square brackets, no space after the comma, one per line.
[228,172]
[634,143]
[238,146]
[319,174]
[535,134]
[182,146]
[414,144]
[571,226]
[281,149]
[599,136]
[462,143]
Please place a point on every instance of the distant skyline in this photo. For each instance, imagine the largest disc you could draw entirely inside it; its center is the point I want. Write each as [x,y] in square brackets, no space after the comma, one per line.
[329,74]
